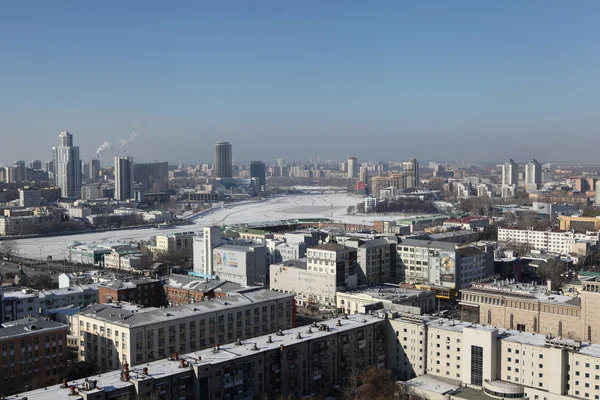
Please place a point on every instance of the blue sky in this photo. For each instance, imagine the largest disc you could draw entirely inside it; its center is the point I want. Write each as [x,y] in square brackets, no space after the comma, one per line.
[463,80]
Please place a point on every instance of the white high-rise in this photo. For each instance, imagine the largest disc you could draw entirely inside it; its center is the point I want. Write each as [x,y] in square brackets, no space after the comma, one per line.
[533,176]
[353,168]
[412,166]
[510,173]
[67,166]
[510,178]
[123,178]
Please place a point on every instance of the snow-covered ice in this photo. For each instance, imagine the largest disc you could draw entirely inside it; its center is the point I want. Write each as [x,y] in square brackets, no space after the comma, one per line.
[332,206]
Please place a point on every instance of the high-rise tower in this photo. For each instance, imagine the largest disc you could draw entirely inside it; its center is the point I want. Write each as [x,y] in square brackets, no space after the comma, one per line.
[533,175]
[123,178]
[223,165]
[67,166]
[510,173]
[353,167]
[258,171]
[412,166]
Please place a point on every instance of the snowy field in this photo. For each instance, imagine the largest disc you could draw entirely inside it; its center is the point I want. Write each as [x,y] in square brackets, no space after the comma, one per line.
[332,206]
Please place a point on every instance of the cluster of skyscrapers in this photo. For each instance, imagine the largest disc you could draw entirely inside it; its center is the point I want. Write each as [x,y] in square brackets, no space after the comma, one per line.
[66,171]
[510,177]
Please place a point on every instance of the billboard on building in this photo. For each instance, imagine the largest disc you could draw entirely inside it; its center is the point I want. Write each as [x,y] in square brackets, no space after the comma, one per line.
[447,267]
[225,259]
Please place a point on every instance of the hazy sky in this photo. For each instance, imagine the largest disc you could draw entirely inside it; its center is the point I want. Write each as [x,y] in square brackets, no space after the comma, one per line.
[477,80]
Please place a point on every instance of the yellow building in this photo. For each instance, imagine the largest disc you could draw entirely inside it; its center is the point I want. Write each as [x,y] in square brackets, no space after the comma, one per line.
[579,224]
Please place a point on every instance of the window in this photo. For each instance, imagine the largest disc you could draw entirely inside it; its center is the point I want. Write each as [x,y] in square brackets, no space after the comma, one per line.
[477,365]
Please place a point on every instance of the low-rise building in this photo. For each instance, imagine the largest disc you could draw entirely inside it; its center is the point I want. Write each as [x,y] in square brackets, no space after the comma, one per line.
[181,243]
[125,259]
[377,261]
[143,291]
[35,351]
[292,363]
[111,335]
[534,309]
[472,223]
[387,296]
[29,197]
[579,224]
[185,289]
[441,263]
[23,301]
[551,240]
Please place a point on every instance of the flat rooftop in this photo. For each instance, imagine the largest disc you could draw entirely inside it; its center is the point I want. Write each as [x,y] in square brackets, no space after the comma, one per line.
[388,292]
[26,326]
[132,316]
[433,384]
[297,263]
[432,244]
[524,290]
[161,368]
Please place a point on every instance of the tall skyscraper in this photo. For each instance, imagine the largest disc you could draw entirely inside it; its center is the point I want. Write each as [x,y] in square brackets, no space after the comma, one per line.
[353,167]
[123,178]
[35,164]
[223,165]
[94,169]
[510,179]
[364,175]
[412,166]
[533,175]
[510,173]
[67,166]
[258,171]
[153,177]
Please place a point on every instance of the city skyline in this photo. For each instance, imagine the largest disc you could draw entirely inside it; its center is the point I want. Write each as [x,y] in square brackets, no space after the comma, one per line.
[519,79]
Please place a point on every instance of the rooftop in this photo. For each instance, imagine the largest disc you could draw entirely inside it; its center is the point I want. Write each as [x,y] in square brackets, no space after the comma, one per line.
[158,369]
[26,326]
[132,316]
[330,247]
[128,283]
[433,384]
[433,244]
[298,263]
[526,290]
[388,292]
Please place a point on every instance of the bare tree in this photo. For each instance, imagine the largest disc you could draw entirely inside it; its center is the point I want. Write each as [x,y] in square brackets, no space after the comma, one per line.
[554,271]
[375,384]
[9,249]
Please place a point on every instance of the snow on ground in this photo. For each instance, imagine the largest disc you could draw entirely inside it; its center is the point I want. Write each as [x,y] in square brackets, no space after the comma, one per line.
[332,206]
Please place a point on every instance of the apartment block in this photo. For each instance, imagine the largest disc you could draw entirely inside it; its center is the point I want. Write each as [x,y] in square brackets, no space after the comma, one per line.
[441,263]
[175,243]
[18,304]
[553,241]
[185,289]
[143,291]
[376,260]
[113,334]
[33,350]
[295,362]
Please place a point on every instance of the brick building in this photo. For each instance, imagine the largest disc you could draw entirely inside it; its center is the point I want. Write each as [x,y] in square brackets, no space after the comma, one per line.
[34,353]
[143,291]
[184,289]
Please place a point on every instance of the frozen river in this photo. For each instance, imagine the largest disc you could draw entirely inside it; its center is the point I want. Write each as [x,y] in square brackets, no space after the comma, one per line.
[332,206]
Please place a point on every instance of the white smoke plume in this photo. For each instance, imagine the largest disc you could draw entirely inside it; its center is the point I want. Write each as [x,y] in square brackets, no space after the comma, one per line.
[106,146]
[125,142]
